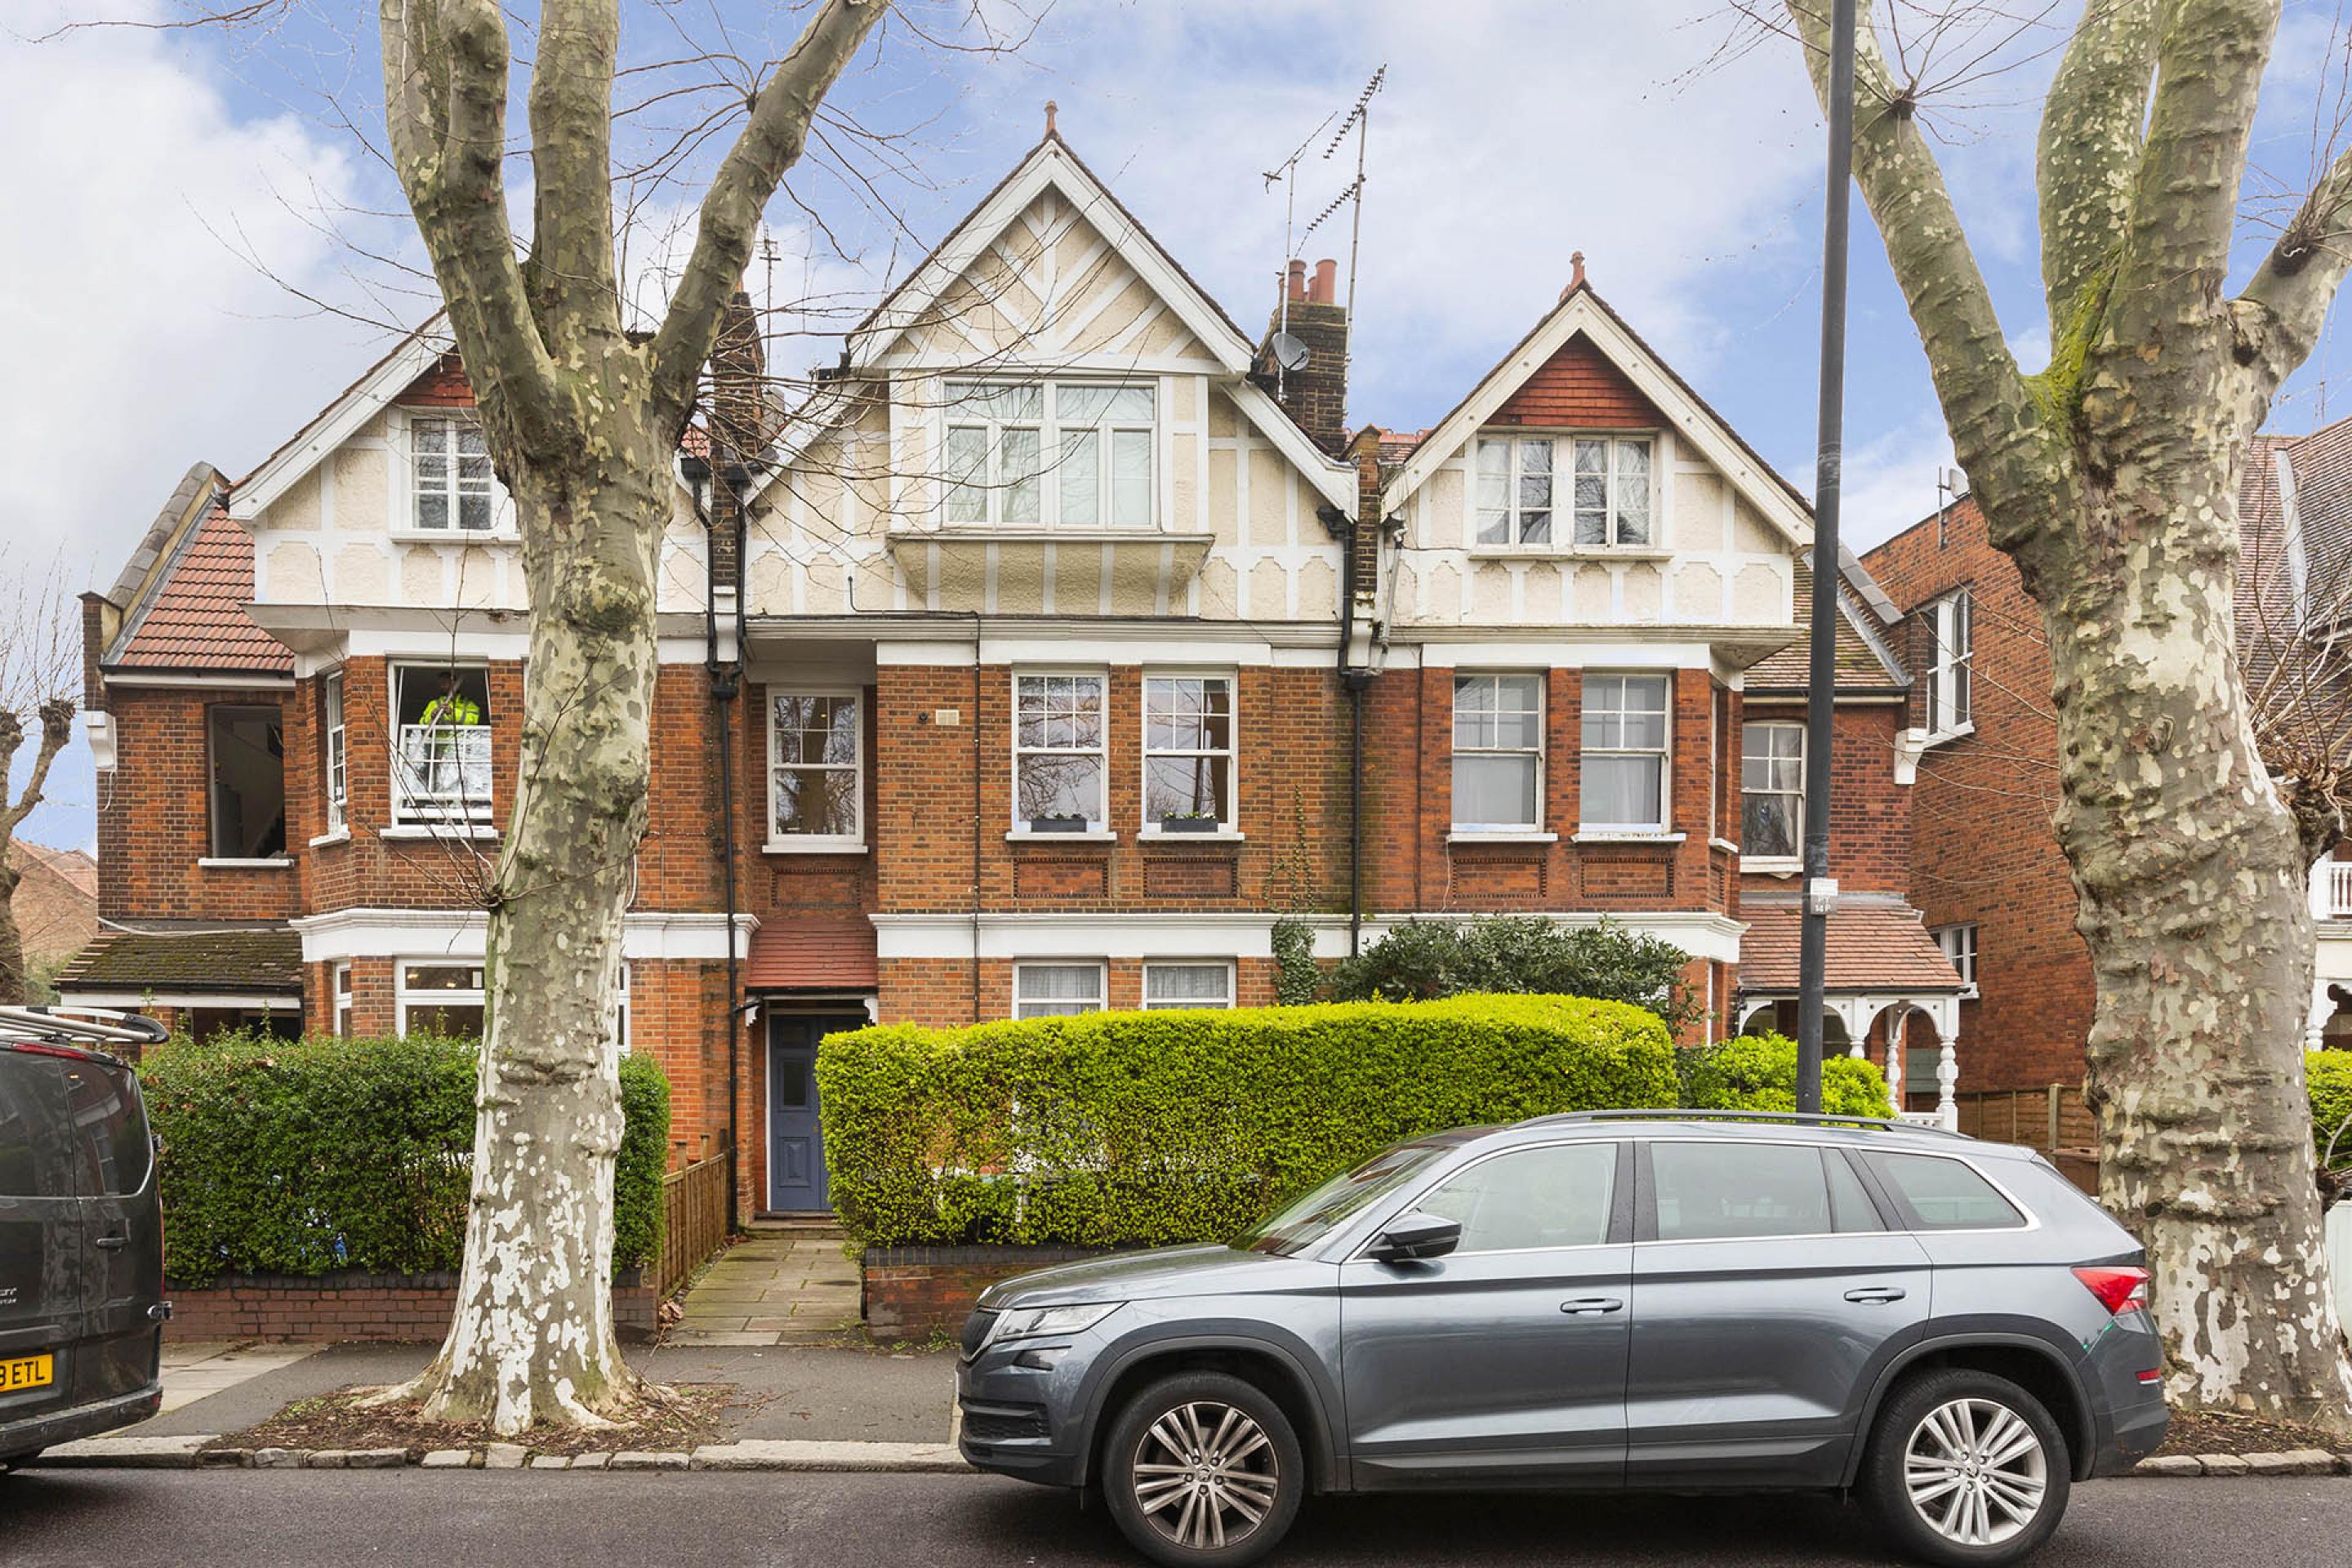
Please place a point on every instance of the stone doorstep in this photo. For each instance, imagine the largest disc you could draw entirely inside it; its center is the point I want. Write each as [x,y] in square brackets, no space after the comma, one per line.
[2294,1462]
[751,1454]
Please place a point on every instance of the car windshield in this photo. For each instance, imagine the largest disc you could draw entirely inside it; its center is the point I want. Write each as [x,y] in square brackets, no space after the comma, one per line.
[1302,1224]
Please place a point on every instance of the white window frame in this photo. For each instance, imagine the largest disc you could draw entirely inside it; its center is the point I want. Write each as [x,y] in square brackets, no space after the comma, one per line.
[213,855]
[1772,862]
[337,758]
[403,428]
[1514,512]
[1025,967]
[1951,668]
[1664,750]
[1613,439]
[621,1010]
[956,412]
[1959,942]
[817,843]
[1457,751]
[402,998]
[1224,965]
[339,995]
[1231,753]
[1097,826]
[470,813]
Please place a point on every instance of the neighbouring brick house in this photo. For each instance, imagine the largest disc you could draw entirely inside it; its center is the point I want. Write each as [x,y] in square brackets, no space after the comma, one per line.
[54,904]
[1079,642]
[1985,864]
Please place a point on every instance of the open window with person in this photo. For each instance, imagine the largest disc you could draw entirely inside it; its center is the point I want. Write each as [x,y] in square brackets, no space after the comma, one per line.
[246,749]
[441,751]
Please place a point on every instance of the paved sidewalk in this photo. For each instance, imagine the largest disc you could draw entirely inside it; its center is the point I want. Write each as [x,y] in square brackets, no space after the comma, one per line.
[201,1369]
[777,1289]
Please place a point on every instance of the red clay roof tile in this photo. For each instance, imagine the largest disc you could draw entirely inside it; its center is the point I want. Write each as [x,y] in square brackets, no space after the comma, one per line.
[197,619]
[813,953]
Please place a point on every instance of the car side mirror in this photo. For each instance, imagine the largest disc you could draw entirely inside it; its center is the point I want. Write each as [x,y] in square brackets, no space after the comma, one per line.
[1410,1237]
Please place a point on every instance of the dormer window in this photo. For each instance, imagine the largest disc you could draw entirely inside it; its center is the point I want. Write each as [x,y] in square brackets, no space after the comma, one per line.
[1608,492]
[1048,454]
[450,486]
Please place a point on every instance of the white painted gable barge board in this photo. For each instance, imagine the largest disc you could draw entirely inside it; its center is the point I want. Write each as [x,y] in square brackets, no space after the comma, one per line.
[1584,313]
[341,420]
[1051,165]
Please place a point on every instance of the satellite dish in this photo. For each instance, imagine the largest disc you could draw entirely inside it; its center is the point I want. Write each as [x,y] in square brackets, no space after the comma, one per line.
[1288,351]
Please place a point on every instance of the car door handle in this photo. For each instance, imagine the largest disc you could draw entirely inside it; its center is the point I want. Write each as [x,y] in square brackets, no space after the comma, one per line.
[1581,1306]
[1875,1295]
[111,1243]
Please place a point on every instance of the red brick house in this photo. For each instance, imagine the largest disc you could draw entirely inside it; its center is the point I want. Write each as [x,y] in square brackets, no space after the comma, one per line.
[1985,864]
[1079,643]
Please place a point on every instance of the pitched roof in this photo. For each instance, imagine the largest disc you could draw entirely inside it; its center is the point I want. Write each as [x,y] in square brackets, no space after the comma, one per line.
[1875,944]
[1581,312]
[813,953]
[203,961]
[1866,660]
[193,615]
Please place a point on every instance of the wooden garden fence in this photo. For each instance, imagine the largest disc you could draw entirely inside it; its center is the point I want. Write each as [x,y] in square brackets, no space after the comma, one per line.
[694,1217]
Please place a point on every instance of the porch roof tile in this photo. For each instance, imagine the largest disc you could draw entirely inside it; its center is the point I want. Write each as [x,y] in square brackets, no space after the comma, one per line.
[813,953]
[1873,946]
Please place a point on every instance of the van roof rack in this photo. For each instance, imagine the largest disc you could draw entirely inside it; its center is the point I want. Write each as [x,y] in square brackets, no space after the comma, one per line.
[1782,1118]
[77,1027]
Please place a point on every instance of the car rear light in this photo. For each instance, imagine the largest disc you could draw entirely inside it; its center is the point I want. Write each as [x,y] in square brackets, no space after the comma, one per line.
[2154,1375]
[2119,1290]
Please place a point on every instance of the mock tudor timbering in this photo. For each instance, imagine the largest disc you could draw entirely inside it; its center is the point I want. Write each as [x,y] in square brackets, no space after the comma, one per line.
[1056,694]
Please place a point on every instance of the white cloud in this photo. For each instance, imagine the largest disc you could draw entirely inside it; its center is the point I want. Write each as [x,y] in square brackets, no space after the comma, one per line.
[1890,481]
[141,339]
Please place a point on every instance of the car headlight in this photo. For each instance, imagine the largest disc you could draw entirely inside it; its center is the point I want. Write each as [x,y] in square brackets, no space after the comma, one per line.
[1029,1322]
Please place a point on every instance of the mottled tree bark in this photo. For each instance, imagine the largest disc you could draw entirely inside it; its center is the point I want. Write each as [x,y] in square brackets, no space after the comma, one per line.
[581,423]
[55,716]
[2112,479]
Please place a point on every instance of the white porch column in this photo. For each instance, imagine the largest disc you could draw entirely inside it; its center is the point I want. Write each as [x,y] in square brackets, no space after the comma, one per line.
[1896,1033]
[2323,1005]
[1947,1078]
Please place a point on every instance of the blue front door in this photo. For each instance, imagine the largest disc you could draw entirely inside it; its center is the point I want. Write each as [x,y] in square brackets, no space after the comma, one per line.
[796,1182]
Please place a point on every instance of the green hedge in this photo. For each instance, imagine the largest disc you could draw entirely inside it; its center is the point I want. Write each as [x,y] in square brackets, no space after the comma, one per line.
[313,1156]
[1122,1128]
[2330,1076]
[1758,1072]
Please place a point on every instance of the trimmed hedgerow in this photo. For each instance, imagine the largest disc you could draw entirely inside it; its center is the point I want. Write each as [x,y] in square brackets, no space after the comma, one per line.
[314,1156]
[1142,1129]
[1758,1072]
[2329,1074]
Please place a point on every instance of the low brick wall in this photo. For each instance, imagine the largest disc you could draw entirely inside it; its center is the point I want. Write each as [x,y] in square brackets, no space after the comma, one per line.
[914,1292]
[341,1308]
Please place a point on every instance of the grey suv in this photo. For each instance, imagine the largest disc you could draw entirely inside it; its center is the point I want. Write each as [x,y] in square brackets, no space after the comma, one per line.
[1609,1299]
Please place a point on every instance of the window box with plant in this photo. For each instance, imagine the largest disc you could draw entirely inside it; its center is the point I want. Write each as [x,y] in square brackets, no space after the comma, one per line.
[1190,822]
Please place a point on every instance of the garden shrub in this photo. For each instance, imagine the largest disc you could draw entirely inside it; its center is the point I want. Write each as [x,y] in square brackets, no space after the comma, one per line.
[1422,960]
[307,1157]
[1127,1129]
[2330,1077]
[1758,1072]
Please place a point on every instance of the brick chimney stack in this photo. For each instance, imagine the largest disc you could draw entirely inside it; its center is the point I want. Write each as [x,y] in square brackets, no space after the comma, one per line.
[1317,392]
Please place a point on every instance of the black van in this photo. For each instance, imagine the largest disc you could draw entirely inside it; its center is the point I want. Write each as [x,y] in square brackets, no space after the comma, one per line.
[82,1233]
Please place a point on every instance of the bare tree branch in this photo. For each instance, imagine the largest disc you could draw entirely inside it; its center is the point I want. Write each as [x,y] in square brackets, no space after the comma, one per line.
[752,169]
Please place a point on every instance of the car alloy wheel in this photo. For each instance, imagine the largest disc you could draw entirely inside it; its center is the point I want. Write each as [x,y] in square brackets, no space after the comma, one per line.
[1975,1472]
[1205,1475]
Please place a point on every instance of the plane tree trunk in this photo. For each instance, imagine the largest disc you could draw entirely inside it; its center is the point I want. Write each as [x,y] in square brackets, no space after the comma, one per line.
[581,421]
[2112,479]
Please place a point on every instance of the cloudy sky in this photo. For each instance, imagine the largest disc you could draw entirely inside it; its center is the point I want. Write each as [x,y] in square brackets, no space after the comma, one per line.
[180,197]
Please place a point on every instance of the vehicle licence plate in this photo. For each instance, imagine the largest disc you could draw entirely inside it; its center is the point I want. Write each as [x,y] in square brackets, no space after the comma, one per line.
[25,1371]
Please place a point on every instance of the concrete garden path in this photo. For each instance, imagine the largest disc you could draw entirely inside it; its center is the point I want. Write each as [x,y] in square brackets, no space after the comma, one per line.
[791,1286]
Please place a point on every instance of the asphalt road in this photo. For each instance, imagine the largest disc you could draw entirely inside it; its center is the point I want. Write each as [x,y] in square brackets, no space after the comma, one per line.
[526,1520]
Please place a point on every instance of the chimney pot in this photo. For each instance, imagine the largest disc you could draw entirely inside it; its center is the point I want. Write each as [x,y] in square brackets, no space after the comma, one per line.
[1326,288]
[1576,264]
[1050,109]
[1298,280]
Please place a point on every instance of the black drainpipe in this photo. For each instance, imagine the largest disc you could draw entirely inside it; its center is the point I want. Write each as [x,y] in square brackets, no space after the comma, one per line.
[726,686]
[975,816]
[1353,681]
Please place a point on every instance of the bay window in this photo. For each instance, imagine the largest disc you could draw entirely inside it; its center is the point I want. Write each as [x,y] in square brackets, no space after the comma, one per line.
[1058,753]
[1497,752]
[1050,454]
[1187,753]
[1623,766]
[1056,990]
